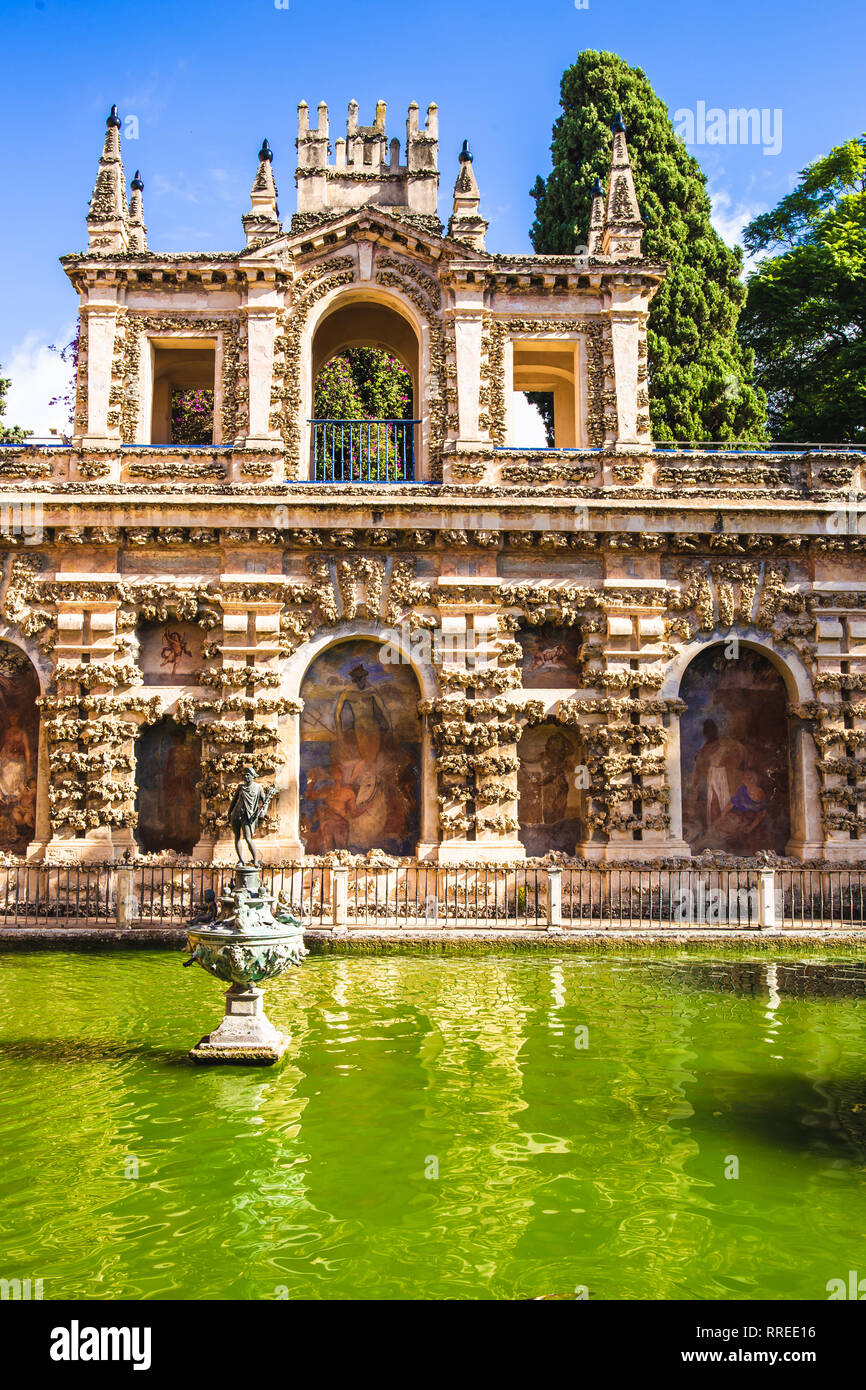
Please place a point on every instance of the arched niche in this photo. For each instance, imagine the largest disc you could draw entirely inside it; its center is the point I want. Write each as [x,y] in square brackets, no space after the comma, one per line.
[360,752]
[19,749]
[735,753]
[167,771]
[551,784]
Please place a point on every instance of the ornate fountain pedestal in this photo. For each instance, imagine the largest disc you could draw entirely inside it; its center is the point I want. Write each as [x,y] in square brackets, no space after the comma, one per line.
[243,942]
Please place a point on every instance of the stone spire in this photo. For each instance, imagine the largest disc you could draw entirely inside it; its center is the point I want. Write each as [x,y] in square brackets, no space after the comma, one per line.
[623,225]
[263,219]
[108,216]
[137,229]
[466,221]
[596,220]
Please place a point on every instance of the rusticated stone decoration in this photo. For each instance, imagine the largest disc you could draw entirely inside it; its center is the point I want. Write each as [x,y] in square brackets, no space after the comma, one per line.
[127,394]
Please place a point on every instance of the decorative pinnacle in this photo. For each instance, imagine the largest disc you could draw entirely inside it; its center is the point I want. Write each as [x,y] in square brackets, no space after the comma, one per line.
[266,153]
[113,119]
[618,126]
[466,154]
[137,184]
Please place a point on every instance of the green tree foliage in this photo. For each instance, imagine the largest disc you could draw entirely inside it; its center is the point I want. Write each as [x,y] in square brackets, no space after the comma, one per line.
[192,415]
[805,318]
[9,434]
[699,372]
[363,383]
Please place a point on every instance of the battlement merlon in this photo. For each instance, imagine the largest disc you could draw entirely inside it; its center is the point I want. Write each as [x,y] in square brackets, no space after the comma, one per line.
[367,167]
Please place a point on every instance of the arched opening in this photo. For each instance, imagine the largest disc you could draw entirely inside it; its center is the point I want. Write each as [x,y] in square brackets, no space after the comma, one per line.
[360,753]
[551,784]
[167,773]
[366,394]
[735,754]
[19,749]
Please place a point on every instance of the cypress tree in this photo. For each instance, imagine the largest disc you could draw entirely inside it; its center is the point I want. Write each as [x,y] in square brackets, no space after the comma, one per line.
[699,373]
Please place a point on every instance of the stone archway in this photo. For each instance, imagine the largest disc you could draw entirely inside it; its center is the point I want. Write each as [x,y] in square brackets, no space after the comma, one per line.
[19,749]
[360,752]
[735,754]
[386,319]
[167,773]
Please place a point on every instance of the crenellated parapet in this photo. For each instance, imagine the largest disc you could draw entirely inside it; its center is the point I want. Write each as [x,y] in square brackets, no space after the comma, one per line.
[367,168]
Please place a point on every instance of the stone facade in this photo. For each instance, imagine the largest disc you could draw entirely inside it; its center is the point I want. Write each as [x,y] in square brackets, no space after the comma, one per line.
[564,589]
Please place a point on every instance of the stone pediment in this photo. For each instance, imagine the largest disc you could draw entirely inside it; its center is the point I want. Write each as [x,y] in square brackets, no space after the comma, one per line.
[369,223]
[404,232]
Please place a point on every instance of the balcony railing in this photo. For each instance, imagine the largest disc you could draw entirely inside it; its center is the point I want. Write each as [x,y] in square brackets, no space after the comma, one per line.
[363,451]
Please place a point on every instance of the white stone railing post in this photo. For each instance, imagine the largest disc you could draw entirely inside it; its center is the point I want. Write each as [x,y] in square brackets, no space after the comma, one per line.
[125,905]
[340,900]
[554,900]
[767,900]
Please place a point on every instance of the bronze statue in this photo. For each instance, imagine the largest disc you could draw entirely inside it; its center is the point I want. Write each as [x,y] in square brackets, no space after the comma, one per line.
[248,805]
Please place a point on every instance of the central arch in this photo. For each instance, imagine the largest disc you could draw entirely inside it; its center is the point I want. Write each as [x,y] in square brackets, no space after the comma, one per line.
[363,316]
[358,320]
[167,776]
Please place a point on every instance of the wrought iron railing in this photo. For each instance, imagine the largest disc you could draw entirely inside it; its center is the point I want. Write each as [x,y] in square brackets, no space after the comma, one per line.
[423,896]
[363,451]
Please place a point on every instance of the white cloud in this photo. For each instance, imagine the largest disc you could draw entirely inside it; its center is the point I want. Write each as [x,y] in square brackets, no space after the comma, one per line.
[730,219]
[36,374]
[527,424]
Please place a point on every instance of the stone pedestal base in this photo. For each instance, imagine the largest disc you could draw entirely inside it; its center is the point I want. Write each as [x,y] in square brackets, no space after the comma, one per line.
[246,1035]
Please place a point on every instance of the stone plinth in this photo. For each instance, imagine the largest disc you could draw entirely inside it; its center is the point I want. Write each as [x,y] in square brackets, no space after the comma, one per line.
[245,1034]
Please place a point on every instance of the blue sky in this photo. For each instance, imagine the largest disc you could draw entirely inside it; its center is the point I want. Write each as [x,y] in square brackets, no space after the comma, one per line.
[207,81]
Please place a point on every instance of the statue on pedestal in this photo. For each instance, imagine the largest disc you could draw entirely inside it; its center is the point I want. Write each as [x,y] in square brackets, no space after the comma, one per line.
[248,805]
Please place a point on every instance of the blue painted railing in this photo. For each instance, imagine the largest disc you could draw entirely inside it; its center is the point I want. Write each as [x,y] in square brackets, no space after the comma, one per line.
[363,451]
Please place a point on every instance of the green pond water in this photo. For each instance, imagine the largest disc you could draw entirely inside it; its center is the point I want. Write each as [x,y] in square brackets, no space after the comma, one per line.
[438,1129]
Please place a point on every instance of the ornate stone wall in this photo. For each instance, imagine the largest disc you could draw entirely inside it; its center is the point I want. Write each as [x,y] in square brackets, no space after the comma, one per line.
[464,598]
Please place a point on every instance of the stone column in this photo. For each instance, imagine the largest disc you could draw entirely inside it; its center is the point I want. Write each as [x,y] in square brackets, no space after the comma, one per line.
[467,316]
[260,310]
[100,308]
[627,314]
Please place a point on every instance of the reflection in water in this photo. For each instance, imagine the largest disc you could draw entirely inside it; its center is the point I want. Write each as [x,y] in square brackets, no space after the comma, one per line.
[821,979]
[435,1132]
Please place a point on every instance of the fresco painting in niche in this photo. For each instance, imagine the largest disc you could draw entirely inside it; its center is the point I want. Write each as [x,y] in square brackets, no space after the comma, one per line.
[167,769]
[549,657]
[550,809]
[360,753]
[170,653]
[19,745]
[734,754]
